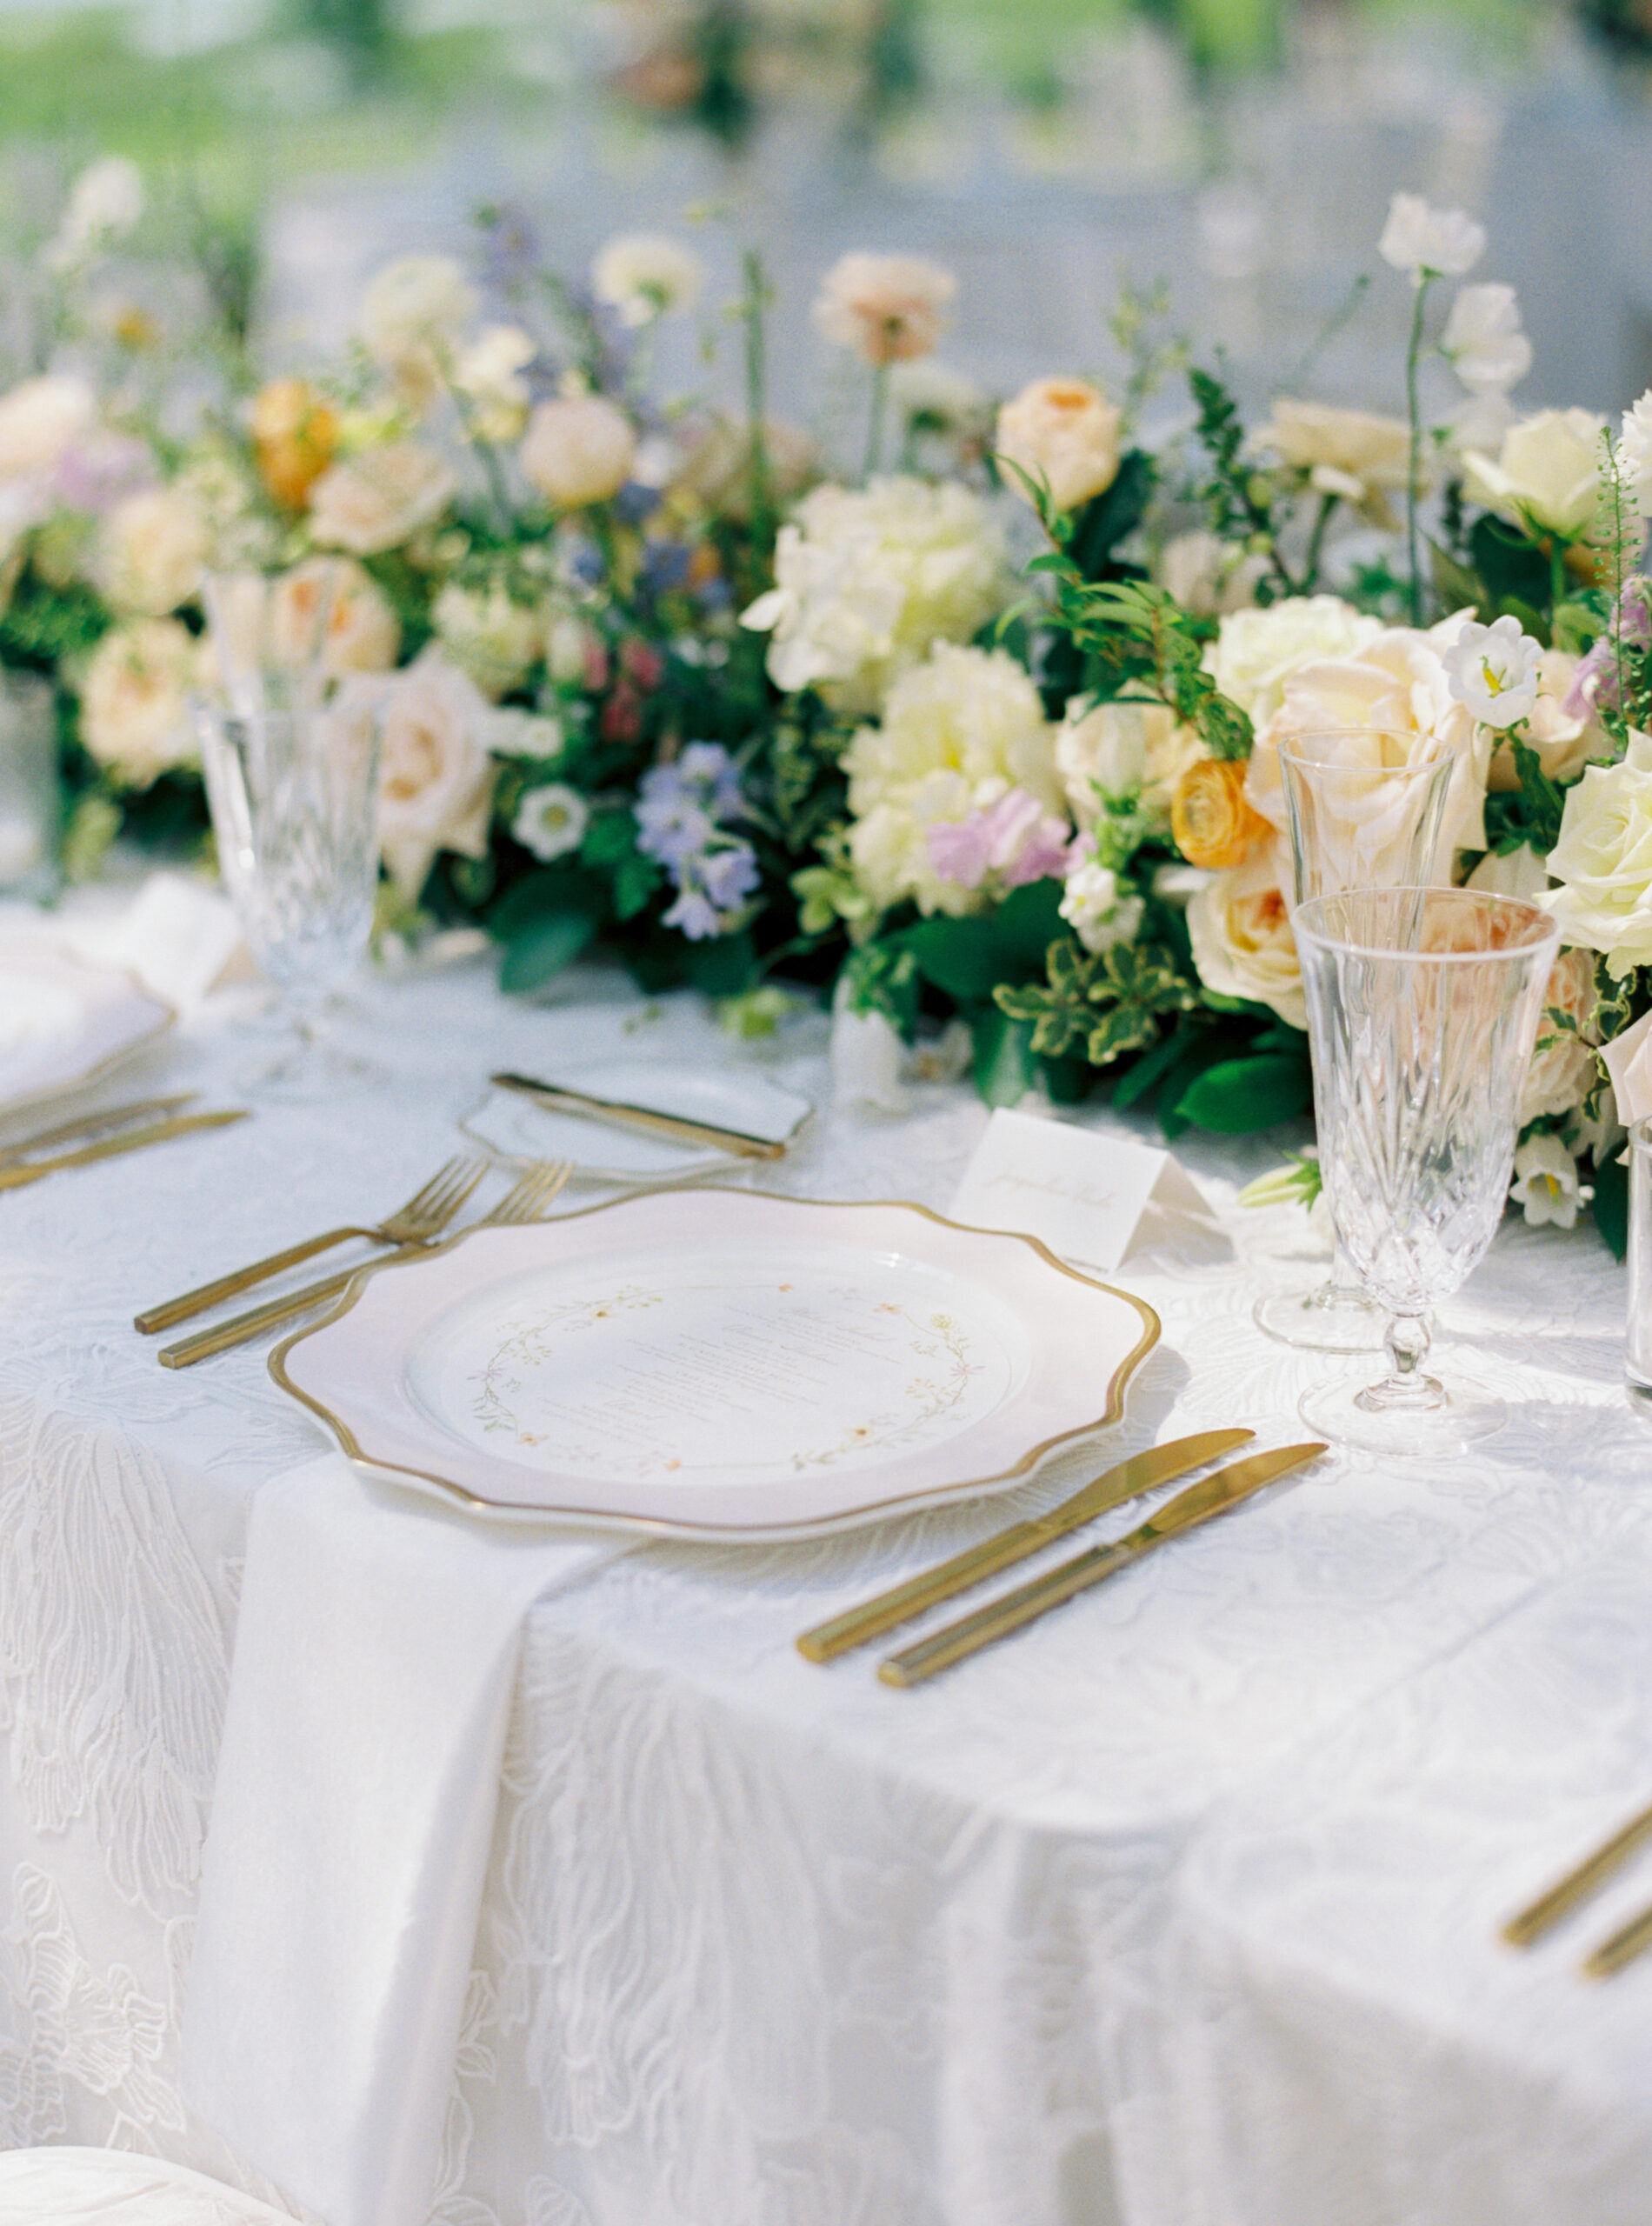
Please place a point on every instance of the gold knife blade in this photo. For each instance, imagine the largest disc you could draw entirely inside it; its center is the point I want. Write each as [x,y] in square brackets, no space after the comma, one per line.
[1586,1879]
[676,1126]
[157,1132]
[1211,1497]
[88,1124]
[1157,1464]
[1629,1941]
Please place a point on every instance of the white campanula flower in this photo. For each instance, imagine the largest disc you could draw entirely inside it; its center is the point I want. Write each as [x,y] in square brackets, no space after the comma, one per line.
[643,275]
[1495,670]
[889,308]
[866,1057]
[1636,449]
[551,821]
[1438,243]
[1546,1186]
[418,302]
[1482,340]
[489,374]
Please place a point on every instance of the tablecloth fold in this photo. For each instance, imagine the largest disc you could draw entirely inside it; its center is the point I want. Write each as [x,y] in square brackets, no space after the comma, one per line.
[374,1657]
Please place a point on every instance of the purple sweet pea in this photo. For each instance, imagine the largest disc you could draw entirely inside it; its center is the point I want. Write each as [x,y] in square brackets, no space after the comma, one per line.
[1595,682]
[729,875]
[1015,837]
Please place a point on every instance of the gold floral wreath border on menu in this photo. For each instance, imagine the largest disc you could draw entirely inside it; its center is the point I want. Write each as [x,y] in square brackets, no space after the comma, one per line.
[1123,1375]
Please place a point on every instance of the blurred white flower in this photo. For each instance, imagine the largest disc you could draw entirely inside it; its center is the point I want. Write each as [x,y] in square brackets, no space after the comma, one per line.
[435,777]
[867,1056]
[134,700]
[1636,450]
[1098,910]
[1350,453]
[643,275]
[1482,340]
[1064,434]
[938,392]
[417,301]
[1481,420]
[106,202]
[1547,475]
[551,821]
[578,449]
[1494,671]
[380,498]
[513,732]
[488,372]
[889,308]
[1206,574]
[40,421]
[151,552]
[486,633]
[1444,242]
[1546,1186]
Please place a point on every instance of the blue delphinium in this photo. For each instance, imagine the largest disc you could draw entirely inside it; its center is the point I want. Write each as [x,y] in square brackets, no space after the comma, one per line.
[681,809]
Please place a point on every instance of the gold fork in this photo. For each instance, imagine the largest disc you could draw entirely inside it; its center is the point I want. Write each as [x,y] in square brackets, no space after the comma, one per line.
[426,1214]
[524,1202]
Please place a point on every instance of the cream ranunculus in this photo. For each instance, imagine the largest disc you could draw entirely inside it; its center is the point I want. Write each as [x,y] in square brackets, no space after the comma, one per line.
[363,633]
[889,308]
[1388,703]
[487,634]
[1064,434]
[380,498]
[1257,651]
[151,553]
[958,733]
[41,419]
[1350,453]
[1564,741]
[1603,861]
[1547,475]
[867,579]
[644,275]
[436,777]
[134,699]
[1242,945]
[578,449]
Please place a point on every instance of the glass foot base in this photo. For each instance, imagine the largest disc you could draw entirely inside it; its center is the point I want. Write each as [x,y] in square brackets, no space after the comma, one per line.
[1345,1412]
[1329,1319]
[299,1071]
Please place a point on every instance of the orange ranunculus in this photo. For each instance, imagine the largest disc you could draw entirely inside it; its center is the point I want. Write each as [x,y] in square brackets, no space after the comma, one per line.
[1209,817]
[295,431]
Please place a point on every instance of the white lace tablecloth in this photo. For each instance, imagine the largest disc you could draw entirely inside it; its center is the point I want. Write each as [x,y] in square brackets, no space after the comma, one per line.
[1178,1910]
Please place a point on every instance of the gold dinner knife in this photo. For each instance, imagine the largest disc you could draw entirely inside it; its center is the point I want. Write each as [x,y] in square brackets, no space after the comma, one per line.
[1587,1878]
[1157,1465]
[89,1124]
[1211,1497]
[676,1126]
[157,1132]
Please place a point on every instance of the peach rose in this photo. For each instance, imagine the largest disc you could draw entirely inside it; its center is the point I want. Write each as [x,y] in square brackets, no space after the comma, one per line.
[578,449]
[1563,1066]
[889,308]
[382,497]
[1564,741]
[363,633]
[436,777]
[134,700]
[151,553]
[1243,944]
[1064,433]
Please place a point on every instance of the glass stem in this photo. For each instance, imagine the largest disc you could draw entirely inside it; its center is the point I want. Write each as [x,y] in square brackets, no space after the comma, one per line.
[1407,1340]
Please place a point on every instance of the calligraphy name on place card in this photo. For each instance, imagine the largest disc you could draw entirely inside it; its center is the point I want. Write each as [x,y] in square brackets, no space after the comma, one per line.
[1085,1194]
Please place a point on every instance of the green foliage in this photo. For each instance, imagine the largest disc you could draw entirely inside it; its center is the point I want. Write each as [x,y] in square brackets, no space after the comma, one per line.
[883,977]
[1237,1096]
[1612,1205]
[1515,575]
[1002,1064]
[1104,1004]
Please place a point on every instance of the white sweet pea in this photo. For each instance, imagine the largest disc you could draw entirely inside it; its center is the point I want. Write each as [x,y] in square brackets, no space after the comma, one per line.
[1546,1186]
[644,275]
[1494,671]
[551,821]
[1482,340]
[1634,449]
[1097,909]
[1435,242]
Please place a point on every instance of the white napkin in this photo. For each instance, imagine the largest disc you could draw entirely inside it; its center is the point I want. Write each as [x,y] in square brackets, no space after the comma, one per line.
[178,935]
[374,1658]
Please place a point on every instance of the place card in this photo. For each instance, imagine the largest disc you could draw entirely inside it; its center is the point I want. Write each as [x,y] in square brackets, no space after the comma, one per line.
[1086,1196]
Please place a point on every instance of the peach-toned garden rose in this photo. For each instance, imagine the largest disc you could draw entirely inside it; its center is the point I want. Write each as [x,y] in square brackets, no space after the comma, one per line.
[134,699]
[1564,741]
[889,308]
[363,633]
[1563,1066]
[151,552]
[381,497]
[578,449]
[1240,928]
[1064,433]
[436,777]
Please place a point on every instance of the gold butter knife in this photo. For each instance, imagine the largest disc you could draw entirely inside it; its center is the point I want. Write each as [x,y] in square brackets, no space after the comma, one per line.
[157,1132]
[88,1124]
[1594,1872]
[1157,1465]
[1629,1941]
[1211,1497]
[676,1126]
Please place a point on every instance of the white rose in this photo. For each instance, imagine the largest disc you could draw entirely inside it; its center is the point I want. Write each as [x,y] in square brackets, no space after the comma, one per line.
[381,497]
[717,470]
[1350,453]
[363,634]
[551,820]
[1062,433]
[1388,703]
[41,419]
[1417,238]
[134,700]
[1636,449]
[1123,749]
[868,578]
[578,449]
[1097,909]
[643,275]
[1562,1067]
[1207,575]
[151,553]
[1546,1184]
[1257,651]
[1603,861]
[888,307]
[1482,340]
[416,303]
[1240,929]
[1547,475]
[435,777]
[487,634]
[489,374]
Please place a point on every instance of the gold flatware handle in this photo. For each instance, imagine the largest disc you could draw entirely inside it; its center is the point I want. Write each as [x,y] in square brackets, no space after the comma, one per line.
[1155,1465]
[158,1132]
[88,1124]
[676,1126]
[196,1301]
[240,1327]
[1213,1496]
[1629,1941]
[1577,1886]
